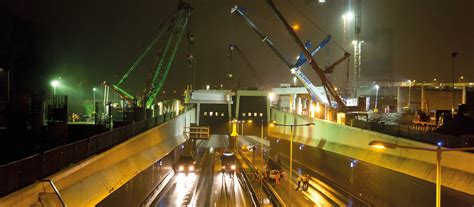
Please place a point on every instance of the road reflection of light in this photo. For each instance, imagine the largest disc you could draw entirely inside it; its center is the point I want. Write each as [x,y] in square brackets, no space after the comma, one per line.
[184,183]
[314,196]
[326,190]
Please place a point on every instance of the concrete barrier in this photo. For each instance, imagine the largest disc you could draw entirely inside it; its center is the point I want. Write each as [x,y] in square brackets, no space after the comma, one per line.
[457,170]
[93,179]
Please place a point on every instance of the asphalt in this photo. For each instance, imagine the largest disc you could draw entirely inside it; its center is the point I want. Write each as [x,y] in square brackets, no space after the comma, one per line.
[320,193]
[207,186]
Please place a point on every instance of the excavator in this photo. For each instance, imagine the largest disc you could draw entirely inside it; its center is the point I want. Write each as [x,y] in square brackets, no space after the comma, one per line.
[170,34]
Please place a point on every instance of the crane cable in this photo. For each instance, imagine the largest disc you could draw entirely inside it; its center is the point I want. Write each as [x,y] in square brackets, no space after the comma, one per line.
[315,25]
[158,35]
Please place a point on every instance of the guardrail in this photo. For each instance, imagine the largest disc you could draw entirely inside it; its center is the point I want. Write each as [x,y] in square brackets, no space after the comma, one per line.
[21,173]
[244,179]
[274,197]
[414,134]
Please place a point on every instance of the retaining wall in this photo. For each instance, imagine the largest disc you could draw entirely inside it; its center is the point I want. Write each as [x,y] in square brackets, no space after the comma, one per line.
[93,179]
[457,170]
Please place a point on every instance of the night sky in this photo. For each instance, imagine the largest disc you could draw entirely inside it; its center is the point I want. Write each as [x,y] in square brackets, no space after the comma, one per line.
[98,40]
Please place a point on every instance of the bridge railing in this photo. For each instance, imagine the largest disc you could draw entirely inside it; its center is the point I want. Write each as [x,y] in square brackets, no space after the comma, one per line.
[20,173]
[414,134]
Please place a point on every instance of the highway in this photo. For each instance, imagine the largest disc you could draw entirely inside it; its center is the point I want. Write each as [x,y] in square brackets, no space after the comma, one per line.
[320,193]
[207,186]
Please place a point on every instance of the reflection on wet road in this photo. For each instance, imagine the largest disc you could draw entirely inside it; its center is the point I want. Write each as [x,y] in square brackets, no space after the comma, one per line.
[208,186]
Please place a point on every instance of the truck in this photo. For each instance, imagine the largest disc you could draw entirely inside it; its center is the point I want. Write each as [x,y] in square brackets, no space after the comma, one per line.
[228,162]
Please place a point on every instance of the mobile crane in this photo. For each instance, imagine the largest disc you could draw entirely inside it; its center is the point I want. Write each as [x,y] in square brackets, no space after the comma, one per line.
[316,93]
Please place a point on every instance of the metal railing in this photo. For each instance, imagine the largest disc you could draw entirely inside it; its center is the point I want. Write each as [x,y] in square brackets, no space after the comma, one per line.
[414,134]
[20,173]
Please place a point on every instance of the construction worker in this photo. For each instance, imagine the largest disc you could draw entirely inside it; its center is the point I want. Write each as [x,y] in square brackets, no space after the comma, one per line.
[305,181]
[300,179]
[277,178]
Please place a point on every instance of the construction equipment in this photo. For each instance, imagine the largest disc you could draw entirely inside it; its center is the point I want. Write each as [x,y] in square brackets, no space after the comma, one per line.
[172,31]
[232,48]
[324,80]
[316,93]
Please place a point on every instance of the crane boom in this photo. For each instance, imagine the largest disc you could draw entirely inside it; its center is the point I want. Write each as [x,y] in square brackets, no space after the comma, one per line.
[324,80]
[317,93]
[176,30]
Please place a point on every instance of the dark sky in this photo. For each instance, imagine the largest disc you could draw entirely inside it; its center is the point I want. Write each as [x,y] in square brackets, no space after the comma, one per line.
[98,40]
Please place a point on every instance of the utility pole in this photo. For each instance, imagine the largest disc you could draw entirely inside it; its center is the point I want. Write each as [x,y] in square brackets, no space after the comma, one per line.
[454,54]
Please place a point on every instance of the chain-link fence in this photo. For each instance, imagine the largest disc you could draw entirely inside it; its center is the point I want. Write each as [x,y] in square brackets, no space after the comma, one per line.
[413,134]
[23,172]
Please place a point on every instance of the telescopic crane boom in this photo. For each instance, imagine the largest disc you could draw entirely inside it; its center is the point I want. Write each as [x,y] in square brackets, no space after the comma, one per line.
[316,93]
[324,80]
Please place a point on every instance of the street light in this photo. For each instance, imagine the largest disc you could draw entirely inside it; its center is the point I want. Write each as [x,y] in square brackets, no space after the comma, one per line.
[241,130]
[296,27]
[348,16]
[55,84]
[438,150]
[453,55]
[409,93]
[376,97]
[291,151]
[93,93]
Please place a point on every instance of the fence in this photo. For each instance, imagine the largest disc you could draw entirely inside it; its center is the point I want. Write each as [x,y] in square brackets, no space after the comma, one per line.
[20,173]
[413,134]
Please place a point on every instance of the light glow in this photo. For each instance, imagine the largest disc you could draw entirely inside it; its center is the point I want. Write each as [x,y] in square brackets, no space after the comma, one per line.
[296,27]
[348,16]
[271,96]
[55,83]
[378,146]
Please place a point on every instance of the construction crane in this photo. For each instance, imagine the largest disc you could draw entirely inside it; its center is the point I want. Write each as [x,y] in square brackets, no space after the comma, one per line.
[232,48]
[316,93]
[172,30]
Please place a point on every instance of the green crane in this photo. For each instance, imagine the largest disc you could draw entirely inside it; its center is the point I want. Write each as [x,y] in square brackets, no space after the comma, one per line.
[172,30]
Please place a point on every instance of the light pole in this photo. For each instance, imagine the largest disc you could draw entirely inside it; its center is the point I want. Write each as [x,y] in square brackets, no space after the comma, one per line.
[93,93]
[54,84]
[453,55]
[241,131]
[409,93]
[290,176]
[353,164]
[376,96]
[438,150]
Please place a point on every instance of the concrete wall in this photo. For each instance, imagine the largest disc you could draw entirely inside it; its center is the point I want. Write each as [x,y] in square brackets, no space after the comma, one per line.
[457,171]
[93,179]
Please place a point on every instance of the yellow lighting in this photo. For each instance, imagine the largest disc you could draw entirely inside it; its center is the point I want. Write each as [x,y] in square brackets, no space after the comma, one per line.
[250,121]
[318,107]
[296,27]
[271,124]
[378,146]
